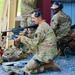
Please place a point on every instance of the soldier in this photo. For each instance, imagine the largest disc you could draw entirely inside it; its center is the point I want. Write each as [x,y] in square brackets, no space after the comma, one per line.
[13,53]
[26,7]
[60,23]
[44,43]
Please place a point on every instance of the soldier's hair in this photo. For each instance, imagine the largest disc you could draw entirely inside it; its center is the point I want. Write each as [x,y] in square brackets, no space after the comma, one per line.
[38,12]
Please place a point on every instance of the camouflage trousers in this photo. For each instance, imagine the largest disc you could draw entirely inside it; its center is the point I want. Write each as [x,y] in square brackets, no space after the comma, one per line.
[36,66]
[32,67]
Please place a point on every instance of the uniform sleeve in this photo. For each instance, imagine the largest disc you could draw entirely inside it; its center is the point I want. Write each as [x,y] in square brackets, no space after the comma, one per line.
[54,23]
[38,38]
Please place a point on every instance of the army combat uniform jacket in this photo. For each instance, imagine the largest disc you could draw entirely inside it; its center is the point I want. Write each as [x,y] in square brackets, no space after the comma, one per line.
[44,42]
[61,23]
[27,6]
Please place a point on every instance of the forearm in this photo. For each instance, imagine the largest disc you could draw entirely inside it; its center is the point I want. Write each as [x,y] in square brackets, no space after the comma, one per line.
[29,42]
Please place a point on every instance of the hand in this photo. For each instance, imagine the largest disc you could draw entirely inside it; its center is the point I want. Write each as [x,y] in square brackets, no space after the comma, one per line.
[25,30]
[17,39]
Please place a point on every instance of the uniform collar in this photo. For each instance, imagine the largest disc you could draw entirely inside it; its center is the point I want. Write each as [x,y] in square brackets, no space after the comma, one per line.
[42,21]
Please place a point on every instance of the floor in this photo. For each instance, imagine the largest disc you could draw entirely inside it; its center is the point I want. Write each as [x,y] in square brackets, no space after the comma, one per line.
[66,63]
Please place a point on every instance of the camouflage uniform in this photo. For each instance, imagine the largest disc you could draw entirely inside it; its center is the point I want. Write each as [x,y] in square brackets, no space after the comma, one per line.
[44,44]
[61,23]
[26,7]
[13,54]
